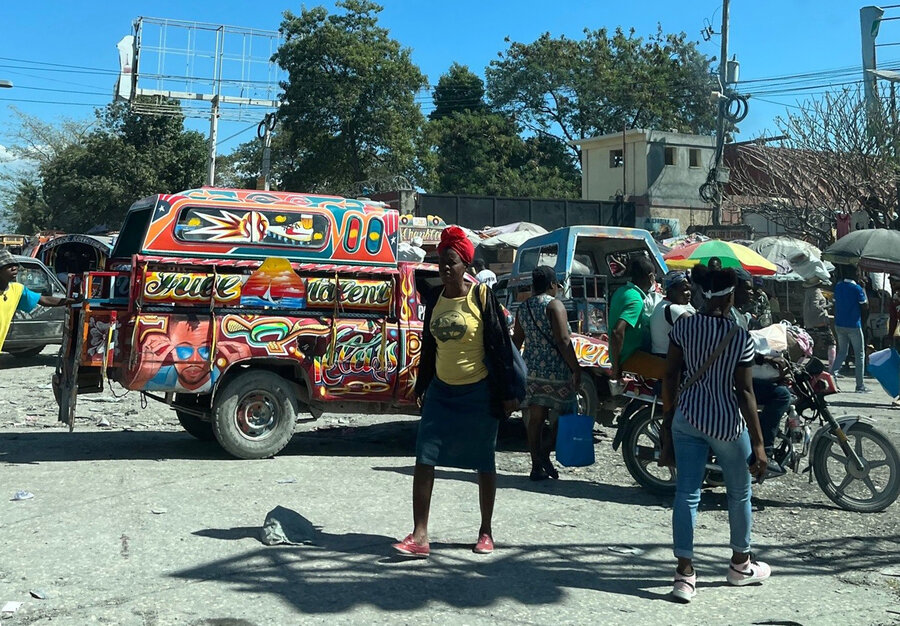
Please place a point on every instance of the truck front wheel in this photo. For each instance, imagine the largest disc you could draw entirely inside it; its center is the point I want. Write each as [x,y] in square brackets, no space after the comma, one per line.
[253,415]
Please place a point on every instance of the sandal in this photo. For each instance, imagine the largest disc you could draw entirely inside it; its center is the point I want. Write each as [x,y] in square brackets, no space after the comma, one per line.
[549,470]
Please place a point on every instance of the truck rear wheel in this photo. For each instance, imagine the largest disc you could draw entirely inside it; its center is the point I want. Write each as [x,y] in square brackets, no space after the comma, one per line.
[194,425]
[253,415]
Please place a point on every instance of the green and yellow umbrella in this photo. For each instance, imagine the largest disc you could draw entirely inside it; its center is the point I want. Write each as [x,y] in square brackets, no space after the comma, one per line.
[731,255]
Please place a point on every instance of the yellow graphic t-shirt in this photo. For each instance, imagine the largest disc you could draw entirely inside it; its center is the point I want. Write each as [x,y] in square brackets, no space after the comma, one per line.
[8,306]
[456,325]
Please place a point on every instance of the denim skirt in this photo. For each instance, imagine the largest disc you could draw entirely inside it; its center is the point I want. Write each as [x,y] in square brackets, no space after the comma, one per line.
[457,428]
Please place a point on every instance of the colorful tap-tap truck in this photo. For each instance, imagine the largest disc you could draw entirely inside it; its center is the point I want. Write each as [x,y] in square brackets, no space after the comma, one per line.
[245,311]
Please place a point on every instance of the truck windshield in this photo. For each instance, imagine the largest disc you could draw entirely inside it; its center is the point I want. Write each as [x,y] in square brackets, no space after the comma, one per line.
[533,257]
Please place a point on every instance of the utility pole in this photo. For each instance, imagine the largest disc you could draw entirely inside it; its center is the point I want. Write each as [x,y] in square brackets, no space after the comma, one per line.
[264,132]
[213,138]
[720,119]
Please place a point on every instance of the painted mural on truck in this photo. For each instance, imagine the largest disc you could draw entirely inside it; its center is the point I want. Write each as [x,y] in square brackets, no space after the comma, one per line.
[274,284]
[346,358]
[252,225]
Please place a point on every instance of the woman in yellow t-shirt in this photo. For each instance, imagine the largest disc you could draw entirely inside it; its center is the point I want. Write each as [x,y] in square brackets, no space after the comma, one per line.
[465,367]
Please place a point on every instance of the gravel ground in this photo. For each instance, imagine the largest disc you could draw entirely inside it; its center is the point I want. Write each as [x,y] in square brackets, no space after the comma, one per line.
[862,549]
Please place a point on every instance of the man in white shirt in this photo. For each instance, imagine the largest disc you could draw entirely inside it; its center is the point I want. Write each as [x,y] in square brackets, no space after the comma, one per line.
[676,304]
[484,275]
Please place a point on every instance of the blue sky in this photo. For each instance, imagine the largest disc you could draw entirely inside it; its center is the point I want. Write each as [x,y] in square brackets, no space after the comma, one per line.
[771,38]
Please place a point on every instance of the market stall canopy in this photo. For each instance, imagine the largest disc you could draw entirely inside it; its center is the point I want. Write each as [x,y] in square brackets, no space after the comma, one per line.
[876,249]
[511,235]
[796,260]
[731,255]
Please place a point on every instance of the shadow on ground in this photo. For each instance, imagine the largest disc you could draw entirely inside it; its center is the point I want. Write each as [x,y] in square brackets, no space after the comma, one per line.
[337,573]
[384,439]
[10,362]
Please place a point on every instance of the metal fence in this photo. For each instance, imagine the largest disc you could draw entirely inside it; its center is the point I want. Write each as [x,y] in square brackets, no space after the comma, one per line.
[476,212]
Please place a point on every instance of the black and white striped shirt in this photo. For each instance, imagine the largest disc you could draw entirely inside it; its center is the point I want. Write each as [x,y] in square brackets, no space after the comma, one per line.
[710,404]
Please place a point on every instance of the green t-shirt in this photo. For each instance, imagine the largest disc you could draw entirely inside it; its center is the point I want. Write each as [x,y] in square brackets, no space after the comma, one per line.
[628,304]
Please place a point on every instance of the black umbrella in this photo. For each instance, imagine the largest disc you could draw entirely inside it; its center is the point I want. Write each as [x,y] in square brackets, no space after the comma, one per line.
[875,249]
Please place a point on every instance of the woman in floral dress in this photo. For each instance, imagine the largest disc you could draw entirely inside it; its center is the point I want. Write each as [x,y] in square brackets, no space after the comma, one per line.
[553,372]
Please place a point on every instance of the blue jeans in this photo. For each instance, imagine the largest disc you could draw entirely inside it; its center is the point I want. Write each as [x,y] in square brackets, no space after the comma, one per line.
[847,337]
[691,452]
[775,400]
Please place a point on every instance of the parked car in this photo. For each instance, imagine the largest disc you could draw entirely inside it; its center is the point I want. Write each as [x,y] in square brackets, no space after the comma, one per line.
[31,332]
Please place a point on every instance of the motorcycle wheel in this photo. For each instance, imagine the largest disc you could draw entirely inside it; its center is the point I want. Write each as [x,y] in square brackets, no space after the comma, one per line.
[640,449]
[868,491]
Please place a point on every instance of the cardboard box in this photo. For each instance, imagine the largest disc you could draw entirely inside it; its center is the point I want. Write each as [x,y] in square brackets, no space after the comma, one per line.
[500,268]
[506,255]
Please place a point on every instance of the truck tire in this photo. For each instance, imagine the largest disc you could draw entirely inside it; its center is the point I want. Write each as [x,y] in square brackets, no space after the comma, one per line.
[24,353]
[253,415]
[586,396]
[194,425]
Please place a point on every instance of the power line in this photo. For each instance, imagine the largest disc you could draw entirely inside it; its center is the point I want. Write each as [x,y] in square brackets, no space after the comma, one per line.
[240,132]
[84,104]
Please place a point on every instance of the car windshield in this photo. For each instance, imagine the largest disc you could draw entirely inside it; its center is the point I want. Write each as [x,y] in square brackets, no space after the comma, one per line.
[36,279]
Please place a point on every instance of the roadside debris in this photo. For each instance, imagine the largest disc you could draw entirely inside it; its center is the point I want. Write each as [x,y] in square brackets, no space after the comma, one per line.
[283,526]
[626,550]
[38,594]
[21,494]
[10,607]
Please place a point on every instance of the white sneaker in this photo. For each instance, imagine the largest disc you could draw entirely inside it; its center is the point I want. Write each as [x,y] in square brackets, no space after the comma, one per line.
[750,573]
[685,587]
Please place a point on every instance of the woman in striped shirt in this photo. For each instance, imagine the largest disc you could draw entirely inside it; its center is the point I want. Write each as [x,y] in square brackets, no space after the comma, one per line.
[711,360]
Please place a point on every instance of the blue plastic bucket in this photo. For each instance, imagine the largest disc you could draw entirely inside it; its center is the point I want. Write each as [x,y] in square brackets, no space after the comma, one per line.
[575,440]
[884,365]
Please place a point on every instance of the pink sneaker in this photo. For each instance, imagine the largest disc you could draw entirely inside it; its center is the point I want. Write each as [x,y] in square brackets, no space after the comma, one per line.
[685,587]
[750,573]
[485,545]
[408,547]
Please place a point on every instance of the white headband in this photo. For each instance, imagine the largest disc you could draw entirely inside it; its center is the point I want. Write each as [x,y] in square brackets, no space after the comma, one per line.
[716,294]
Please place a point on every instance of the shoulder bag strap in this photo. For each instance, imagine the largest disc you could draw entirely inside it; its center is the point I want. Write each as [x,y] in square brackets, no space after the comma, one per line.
[712,357]
[546,335]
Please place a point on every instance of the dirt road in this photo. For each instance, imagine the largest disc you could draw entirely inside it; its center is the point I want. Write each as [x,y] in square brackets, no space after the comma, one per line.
[136,522]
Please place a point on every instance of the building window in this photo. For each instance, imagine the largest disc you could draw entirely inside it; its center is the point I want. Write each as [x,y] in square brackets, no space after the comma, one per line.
[694,157]
[670,156]
[616,158]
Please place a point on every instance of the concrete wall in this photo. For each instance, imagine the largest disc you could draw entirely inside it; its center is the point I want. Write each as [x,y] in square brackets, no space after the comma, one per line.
[678,184]
[657,189]
[602,182]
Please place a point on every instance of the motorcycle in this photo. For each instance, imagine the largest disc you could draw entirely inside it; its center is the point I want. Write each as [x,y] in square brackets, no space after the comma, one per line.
[855,464]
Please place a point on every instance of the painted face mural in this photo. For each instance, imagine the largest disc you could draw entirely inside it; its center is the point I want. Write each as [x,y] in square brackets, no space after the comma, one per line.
[174,355]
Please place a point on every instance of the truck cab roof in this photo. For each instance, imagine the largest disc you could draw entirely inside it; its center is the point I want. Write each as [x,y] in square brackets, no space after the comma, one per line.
[243,224]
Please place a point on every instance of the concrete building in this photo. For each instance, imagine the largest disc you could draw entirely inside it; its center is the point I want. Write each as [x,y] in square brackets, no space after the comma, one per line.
[660,172]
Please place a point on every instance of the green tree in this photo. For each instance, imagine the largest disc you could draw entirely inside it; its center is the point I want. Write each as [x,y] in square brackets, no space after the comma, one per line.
[349,103]
[91,182]
[458,90]
[572,90]
[473,150]
[242,167]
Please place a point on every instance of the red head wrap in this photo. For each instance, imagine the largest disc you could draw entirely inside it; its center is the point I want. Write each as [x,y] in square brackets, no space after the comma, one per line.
[454,238]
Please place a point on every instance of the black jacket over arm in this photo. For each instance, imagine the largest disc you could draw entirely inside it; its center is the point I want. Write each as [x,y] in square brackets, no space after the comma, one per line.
[498,348]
